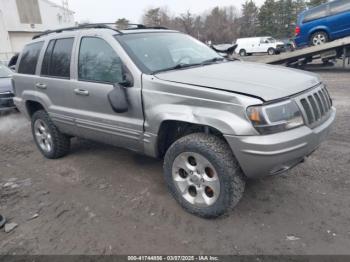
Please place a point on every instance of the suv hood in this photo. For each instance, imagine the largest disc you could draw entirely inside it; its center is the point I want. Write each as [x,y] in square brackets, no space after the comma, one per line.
[258,80]
[5,85]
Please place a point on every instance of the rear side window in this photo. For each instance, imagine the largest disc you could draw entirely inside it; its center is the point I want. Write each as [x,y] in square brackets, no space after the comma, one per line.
[339,6]
[98,62]
[57,58]
[316,13]
[29,59]
[47,58]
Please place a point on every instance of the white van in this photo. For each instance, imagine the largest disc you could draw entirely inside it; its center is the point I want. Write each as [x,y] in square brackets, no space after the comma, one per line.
[248,46]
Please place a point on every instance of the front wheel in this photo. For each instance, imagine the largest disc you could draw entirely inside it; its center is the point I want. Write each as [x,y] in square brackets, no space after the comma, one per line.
[242,52]
[203,175]
[49,140]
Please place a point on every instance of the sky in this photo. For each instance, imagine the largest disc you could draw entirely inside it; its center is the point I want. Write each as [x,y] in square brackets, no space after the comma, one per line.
[95,11]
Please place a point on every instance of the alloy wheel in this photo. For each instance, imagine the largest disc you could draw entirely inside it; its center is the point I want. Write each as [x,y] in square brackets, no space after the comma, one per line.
[43,136]
[196,179]
[319,39]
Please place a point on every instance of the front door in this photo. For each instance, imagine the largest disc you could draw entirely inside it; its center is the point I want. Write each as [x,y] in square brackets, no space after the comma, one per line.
[98,68]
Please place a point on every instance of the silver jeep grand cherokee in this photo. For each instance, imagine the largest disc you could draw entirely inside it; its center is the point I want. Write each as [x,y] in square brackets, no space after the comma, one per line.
[164,94]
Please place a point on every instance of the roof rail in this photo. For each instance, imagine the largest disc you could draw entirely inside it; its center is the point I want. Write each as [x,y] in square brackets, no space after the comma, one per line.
[141,26]
[79,27]
[111,26]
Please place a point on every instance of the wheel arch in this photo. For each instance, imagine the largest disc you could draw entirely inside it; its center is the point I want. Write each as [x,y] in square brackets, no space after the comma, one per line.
[172,130]
[217,121]
[319,29]
[33,106]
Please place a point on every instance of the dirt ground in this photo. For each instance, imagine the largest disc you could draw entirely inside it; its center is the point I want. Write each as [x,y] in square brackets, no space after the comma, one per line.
[105,200]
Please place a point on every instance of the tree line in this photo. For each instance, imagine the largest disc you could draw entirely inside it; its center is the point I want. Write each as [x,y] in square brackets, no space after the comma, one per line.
[275,18]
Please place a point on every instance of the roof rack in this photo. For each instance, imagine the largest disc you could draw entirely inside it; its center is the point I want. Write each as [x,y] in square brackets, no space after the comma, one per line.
[141,26]
[111,26]
[82,26]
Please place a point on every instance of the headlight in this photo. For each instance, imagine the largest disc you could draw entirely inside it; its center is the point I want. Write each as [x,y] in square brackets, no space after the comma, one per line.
[269,119]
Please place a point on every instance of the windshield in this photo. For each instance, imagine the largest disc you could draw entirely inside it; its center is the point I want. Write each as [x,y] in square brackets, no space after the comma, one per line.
[155,52]
[5,72]
[271,40]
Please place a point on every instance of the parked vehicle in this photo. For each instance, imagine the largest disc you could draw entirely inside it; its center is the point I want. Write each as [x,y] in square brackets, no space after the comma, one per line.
[164,94]
[289,45]
[13,62]
[323,23]
[251,45]
[6,90]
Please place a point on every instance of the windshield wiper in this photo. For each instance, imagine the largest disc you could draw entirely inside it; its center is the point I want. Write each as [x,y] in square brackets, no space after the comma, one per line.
[182,65]
[178,66]
[212,60]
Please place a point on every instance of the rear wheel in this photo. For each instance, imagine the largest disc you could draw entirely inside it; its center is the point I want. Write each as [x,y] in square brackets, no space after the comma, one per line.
[242,52]
[203,175]
[319,38]
[49,140]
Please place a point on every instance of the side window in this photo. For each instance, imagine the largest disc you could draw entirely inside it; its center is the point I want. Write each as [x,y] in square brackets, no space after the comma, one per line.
[316,13]
[47,59]
[339,6]
[98,62]
[57,58]
[30,57]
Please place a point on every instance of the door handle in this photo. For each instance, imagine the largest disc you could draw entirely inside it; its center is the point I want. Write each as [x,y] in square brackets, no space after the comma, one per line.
[41,86]
[81,92]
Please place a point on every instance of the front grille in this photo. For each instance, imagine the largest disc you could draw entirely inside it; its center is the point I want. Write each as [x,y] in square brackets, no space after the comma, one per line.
[316,105]
[6,100]
[6,95]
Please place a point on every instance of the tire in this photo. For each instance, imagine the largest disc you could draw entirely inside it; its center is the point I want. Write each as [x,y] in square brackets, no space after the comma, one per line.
[57,144]
[222,169]
[318,38]
[242,52]
[2,221]
[271,51]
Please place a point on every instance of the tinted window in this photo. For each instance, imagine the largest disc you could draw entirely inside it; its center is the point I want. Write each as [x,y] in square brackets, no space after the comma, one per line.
[47,58]
[316,13]
[99,62]
[340,6]
[30,57]
[59,64]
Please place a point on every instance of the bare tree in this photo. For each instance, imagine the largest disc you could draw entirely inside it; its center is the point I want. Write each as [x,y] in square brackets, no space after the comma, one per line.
[122,23]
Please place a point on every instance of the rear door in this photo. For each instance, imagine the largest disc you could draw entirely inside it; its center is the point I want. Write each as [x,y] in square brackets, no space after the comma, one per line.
[98,68]
[26,78]
[54,86]
[339,21]
[253,45]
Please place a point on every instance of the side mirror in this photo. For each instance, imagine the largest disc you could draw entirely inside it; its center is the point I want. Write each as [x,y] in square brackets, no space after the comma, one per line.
[118,98]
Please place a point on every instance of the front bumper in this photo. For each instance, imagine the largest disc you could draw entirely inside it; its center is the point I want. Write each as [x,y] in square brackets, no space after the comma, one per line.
[273,154]
[6,101]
